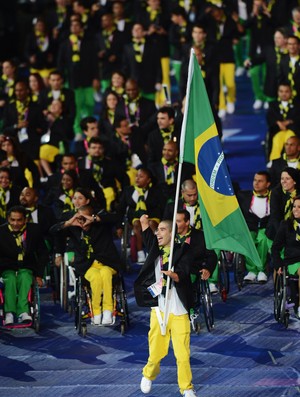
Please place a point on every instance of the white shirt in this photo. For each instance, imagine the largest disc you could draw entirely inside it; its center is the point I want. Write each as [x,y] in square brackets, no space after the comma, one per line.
[135,196]
[260,206]
[175,305]
[55,94]
[191,210]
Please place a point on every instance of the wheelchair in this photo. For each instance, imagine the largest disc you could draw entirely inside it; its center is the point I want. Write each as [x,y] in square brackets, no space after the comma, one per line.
[34,308]
[67,284]
[84,309]
[76,298]
[239,268]
[285,297]
[203,305]
[128,245]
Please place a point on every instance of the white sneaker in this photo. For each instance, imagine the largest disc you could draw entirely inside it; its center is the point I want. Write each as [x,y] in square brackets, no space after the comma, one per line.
[107,317]
[222,113]
[141,257]
[230,107]
[213,288]
[24,318]
[250,277]
[9,318]
[298,312]
[239,71]
[266,105]
[189,393]
[262,277]
[96,320]
[257,104]
[146,385]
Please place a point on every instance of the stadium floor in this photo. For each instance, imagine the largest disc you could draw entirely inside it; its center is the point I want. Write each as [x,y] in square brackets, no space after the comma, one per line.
[247,354]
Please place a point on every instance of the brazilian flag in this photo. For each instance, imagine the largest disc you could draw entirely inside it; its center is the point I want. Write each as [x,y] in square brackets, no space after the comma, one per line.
[223,222]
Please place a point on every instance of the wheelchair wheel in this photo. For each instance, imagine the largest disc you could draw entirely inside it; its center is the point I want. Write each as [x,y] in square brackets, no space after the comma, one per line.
[125,247]
[239,269]
[36,316]
[78,306]
[56,283]
[281,312]
[121,303]
[278,296]
[64,283]
[206,302]
[82,307]
[223,276]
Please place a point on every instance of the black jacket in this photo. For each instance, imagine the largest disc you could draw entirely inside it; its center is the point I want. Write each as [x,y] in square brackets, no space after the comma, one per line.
[285,238]
[80,74]
[253,221]
[274,114]
[37,126]
[104,249]
[45,219]
[182,261]
[36,254]
[86,180]
[108,170]
[277,205]
[153,203]
[277,167]
[142,117]
[148,72]
[14,192]
[114,48]
[66,96]
[203,258]
[156,143]
[285,70]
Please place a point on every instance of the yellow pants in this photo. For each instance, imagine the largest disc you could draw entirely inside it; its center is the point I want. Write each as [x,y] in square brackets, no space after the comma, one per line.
[178,329]
[48,152]
[227,79]
[160,98]
[28,176]
[110,196]
[278,142]
[100,279]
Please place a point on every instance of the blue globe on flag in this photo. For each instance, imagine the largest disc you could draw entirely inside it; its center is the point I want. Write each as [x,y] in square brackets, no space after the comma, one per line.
[212,165]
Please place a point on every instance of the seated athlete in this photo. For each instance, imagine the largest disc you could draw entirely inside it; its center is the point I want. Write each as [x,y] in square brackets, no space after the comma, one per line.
[96,257]
[286,249]
[204,260]
[23,256]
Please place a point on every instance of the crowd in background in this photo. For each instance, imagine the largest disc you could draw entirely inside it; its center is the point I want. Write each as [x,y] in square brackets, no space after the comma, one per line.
[92,96]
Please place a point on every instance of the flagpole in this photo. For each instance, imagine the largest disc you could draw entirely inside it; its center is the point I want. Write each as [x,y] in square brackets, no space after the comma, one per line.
[163,324]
